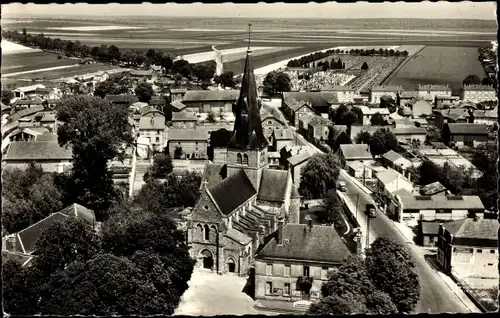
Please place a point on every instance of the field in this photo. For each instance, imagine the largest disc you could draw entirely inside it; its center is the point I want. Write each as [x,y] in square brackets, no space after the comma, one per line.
[440,65]
[21,62]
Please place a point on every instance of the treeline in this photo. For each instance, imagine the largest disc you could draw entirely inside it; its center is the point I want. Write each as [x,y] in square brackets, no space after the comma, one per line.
[112,54]
[311,58]
[333,65]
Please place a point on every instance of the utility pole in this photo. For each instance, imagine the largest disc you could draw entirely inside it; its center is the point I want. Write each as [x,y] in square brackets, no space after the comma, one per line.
[368,232]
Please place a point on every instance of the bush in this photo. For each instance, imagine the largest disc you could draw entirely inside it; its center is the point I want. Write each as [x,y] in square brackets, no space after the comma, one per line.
[59,57]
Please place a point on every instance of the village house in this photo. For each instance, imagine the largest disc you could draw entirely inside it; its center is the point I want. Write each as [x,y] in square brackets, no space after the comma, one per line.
[274,159]
[158,102]
[435,188]
[468,250]
[404,97]
[428,234]
[144,75]
[296,254]
[390,181]
[304,123]
[122,100]
[410,209]
[241,205]
[478,93]
[394,160]
[420,108]
[445,101]
[271,120]
[295,165]
[23,242]
[376,93]
[454,115]
[177,106]
[465,134]
[319,102]
[410,134]
[154,128]
[26,92]
[201,101]
[487,117]
[51,156]
[26,134]
[21,104]
[177,94]
[429,92]
[368,113]
[184,120]
[193,144]
[218,141]
[359,171]
[342,94]
[318,129]
[295,110]
[282,138]
[357,129]
[355,152]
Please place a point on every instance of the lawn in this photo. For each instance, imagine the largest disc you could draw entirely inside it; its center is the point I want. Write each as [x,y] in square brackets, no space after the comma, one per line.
[440,65]
[21,62]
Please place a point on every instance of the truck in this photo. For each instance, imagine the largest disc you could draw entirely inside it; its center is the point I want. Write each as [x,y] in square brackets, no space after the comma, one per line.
[371,210]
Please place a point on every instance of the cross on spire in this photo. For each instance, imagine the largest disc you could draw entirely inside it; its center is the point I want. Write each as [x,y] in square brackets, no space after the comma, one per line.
[249,25]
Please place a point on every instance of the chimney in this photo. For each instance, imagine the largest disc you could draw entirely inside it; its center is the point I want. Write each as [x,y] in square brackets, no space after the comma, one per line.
[280,232]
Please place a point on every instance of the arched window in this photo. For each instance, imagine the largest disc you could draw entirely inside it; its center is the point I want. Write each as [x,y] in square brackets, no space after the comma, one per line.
[238,159]
[214,231]
[199,232]
[207,232]
[245,159]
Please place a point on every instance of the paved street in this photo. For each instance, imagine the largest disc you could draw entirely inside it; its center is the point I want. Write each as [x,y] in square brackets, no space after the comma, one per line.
[210,294]
[436,296]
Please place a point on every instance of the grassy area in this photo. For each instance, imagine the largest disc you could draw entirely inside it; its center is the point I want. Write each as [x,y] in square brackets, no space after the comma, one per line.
[21,62]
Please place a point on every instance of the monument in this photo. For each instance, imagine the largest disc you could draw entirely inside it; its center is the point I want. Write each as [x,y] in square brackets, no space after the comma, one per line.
[218,60]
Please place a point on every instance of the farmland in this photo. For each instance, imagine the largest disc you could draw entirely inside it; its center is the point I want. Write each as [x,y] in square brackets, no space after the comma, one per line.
[440,65]
[28,61]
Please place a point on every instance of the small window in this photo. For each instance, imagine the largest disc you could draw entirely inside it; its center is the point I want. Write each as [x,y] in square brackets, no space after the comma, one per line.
[306,271]
[245,159]
[288,271]
[269,288]
[479,250]
[207,233]
[238,159]
[206,207]
[286,290]
[492,251]
[269,269]
[270,122]
[324,272]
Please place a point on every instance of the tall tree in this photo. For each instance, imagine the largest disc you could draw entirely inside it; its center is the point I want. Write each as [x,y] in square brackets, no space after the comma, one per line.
[98,132]
[471,79]
[276,83]
[382,141]
[162,166]
[227,79]
[319,174]
[378,120]
[7,95]
[18,291]
[392,270]
[364,66]
[144,91]
[363,137]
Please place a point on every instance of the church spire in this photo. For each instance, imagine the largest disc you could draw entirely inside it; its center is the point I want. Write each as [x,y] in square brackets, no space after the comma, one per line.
[248,132]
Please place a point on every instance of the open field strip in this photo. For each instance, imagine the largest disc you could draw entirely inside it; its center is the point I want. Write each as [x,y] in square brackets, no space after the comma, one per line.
[14,48]
[241,55]
[210,55]
[96,28]
[39,70]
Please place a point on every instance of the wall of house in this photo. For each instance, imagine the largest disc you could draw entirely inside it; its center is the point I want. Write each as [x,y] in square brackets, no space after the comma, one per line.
[301,112]
[296,173]
[207,106]
[375,96]
[485,120]
[424,94]
[477,96]
[269,125]
[280,144]
[184,124]
[278,280]
[157,138]
[430,240]
[410,137]
[47,165]
[220,154]
[190,149]
[476,265]
[422,109]
[294,211]
[431,215]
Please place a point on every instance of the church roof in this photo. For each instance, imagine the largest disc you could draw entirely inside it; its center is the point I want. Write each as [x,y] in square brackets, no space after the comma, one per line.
[273,184]
[248,132]
[232,192]
[213,174]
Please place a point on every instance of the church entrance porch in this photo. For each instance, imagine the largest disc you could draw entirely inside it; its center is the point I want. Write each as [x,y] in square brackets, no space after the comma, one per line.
[231,266]
[207,259]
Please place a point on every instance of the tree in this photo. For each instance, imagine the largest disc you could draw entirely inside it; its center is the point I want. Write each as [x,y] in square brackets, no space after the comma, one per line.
[382,141]
[378,120]
[349,118]
[27,197]
[144,91]
[276,83]
[392,270]
[320,174]
[98,131]
[333,207]
[162,166]
[380,303]
[211,117]
[178,152]
[364,66]
[19,295]
[7,95]
[113,53]
[227,79]
[110,87]
[429,172]
[471,79]
[363,137]
[433,134]
[336,305]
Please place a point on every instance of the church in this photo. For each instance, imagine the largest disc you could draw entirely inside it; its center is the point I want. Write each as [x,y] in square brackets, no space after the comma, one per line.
[242,201]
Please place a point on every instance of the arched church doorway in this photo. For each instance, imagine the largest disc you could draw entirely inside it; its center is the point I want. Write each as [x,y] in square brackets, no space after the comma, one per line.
[231,266]
[208,259]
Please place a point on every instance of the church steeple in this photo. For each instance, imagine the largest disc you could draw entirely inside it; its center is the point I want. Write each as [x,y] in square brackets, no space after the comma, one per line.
[248,132]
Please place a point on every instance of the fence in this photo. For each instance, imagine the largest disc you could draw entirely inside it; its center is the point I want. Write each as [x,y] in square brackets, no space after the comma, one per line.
[468,290]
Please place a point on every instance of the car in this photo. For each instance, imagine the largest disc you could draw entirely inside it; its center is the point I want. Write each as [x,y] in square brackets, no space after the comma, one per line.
[371,210]
[342,186]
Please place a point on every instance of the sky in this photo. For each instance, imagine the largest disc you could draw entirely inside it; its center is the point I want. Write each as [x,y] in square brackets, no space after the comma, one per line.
[332,10]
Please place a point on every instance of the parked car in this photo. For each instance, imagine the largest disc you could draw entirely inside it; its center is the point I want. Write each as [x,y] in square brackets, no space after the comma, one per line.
[341,185]
[371,210]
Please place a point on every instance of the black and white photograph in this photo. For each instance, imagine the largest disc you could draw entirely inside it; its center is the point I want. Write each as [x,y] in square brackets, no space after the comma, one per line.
[203,159]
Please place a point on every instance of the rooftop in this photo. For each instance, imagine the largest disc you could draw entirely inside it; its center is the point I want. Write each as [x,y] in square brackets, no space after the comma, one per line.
[434,88]
[476,87]
[273,185]
[431,228]
[37,150]
[152,123]
[184,116]
[356,151]
[409,131]
[387,88]
[202,95]
[298,159]
[232,192]
[432,188]
[198,134]
[212,174]
[464,202]
[468,129]
[178,105]
[315,244]
[283,134]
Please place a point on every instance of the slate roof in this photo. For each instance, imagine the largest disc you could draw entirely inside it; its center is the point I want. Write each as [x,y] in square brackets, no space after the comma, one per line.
[212,174]
[232,192]
[409,131]
[5,107]
[141,72]
[37,150]
[314,98]
[391,155]
[470,232]
[177,104]
[434,88]
[122,99]
[26,112]
[31,234]
[202,95]
[30,88]
[183,116]
[237,236]
[150,109]
[79,211]
[157,100]
[155,123]
[28,102]
[430,228]
[220,138]
[298,159]
[467,202]
[317,244]
[273,185]
[356,151]
[386,88]
[468,129]
[388,176]
[432,188]
[198,134]
[267,111]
